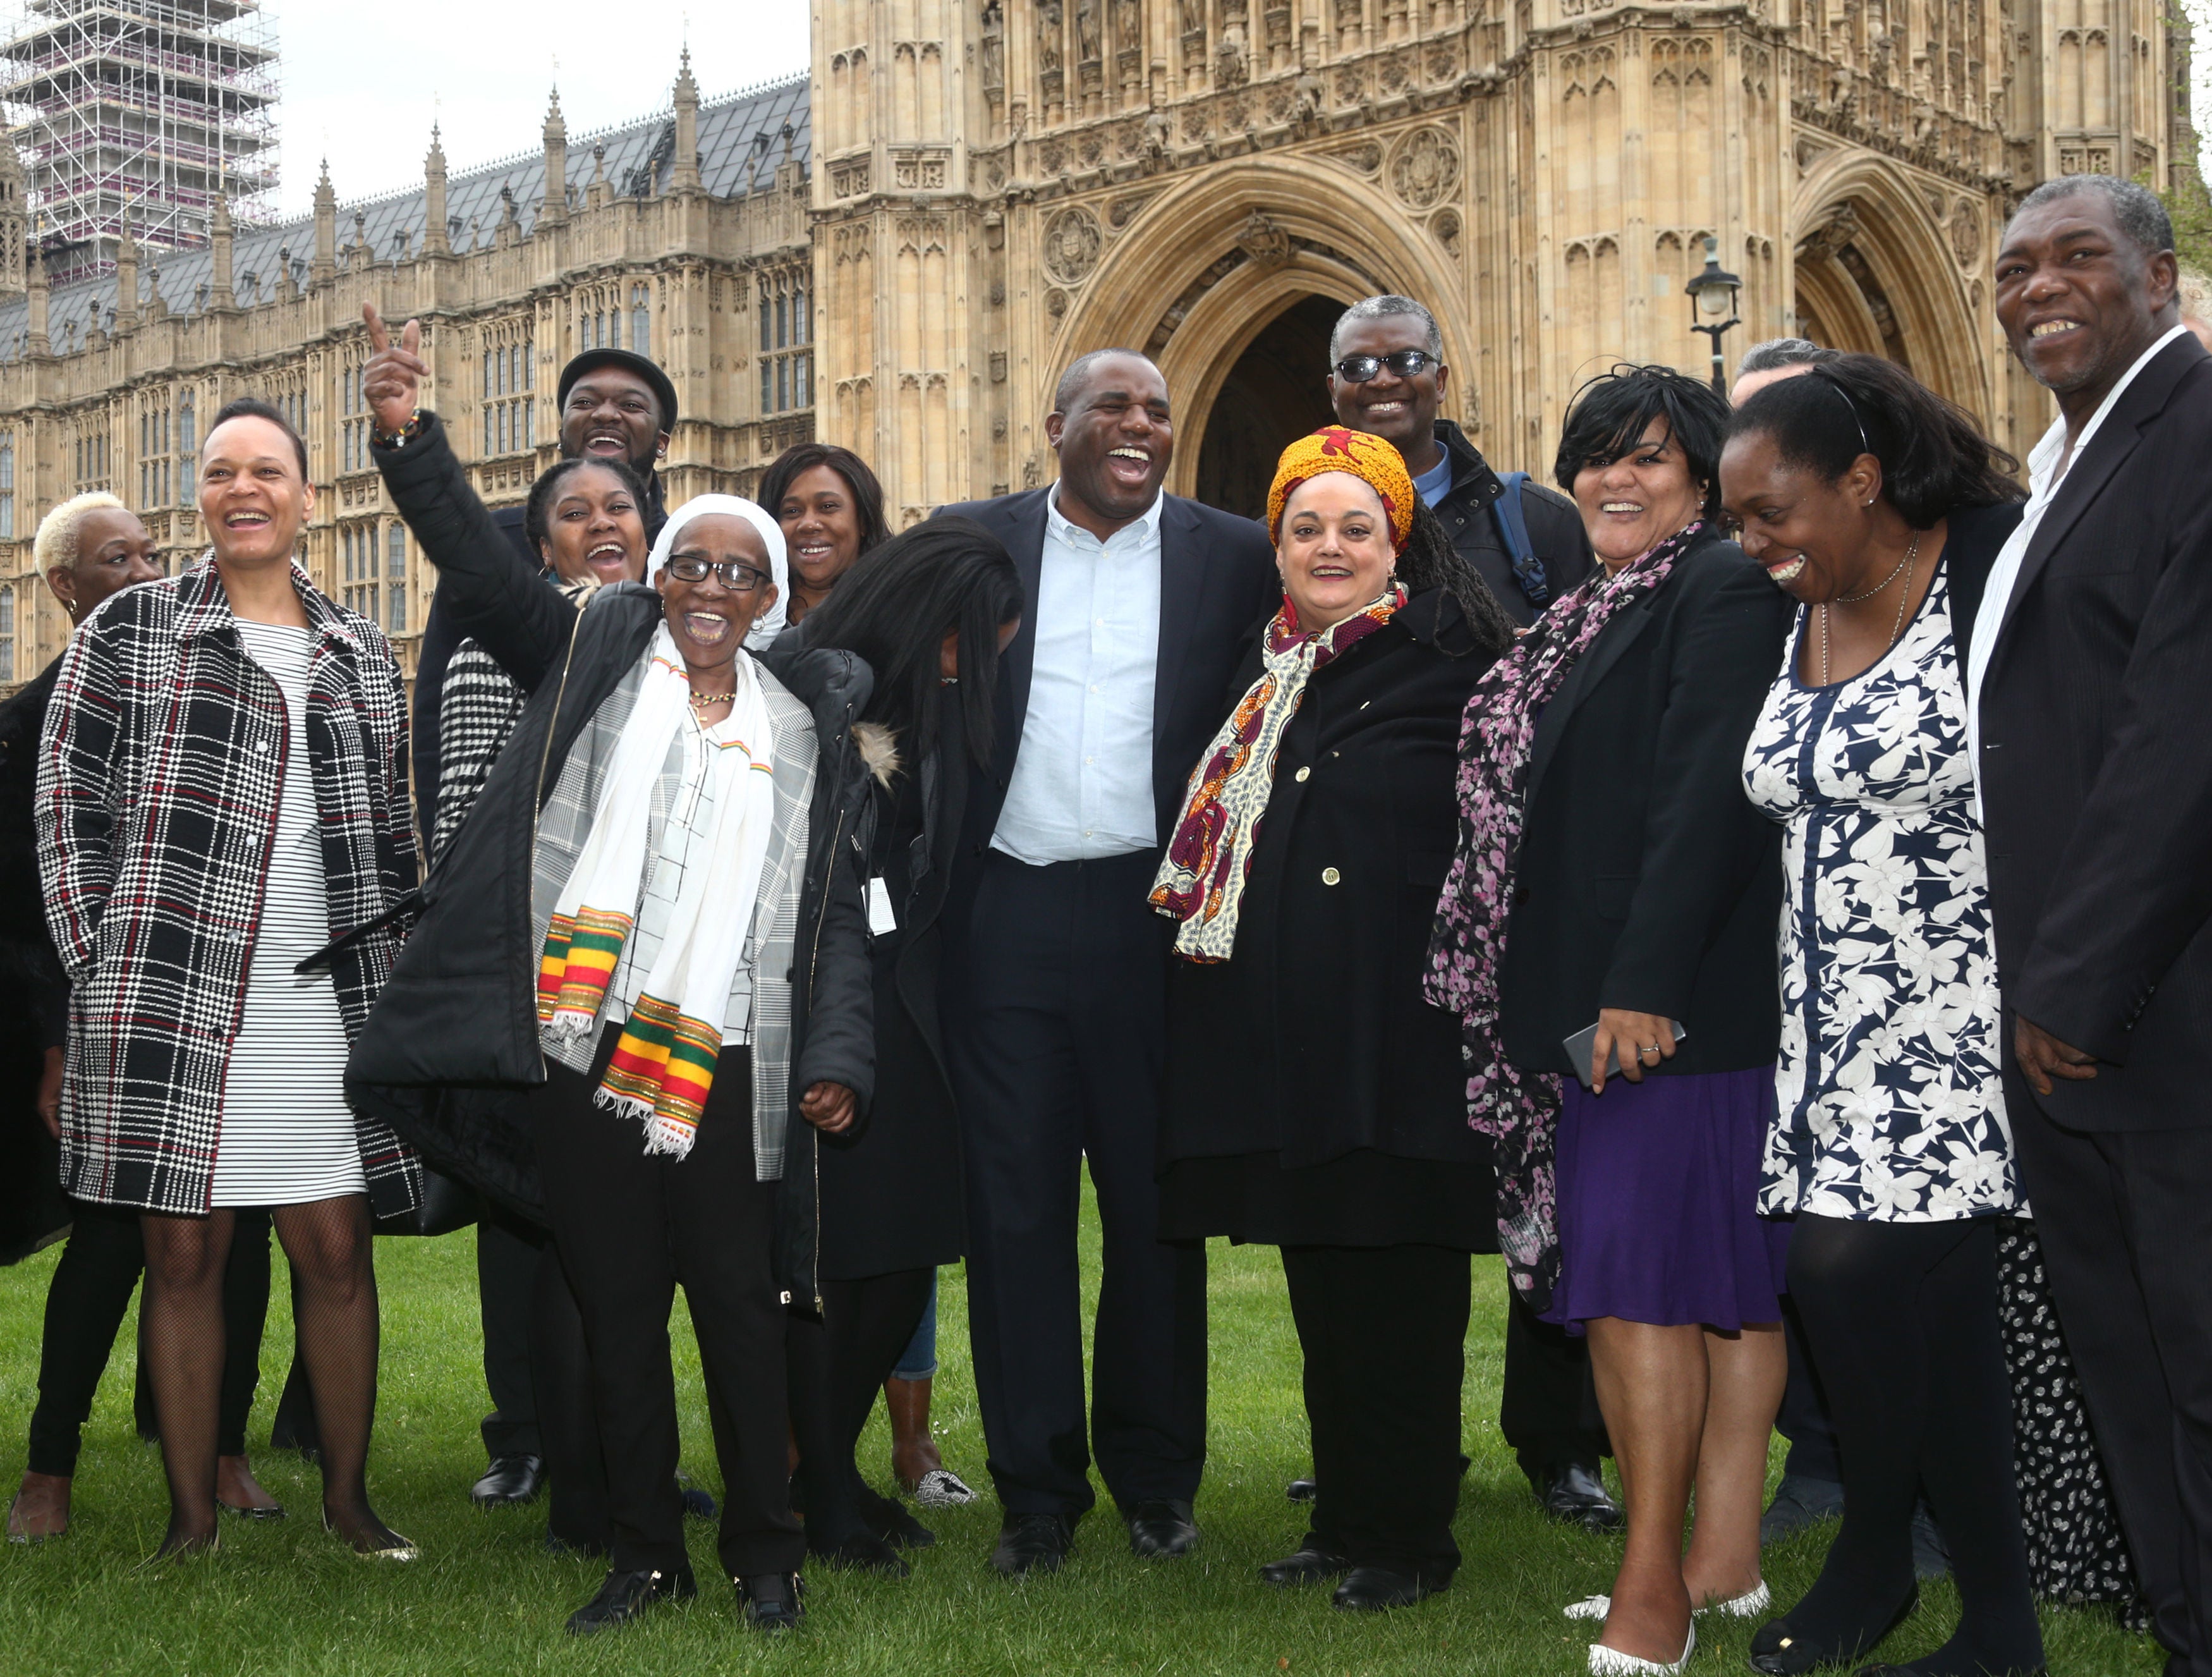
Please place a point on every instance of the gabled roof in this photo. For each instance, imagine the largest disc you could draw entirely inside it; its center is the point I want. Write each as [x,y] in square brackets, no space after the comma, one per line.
[741,144]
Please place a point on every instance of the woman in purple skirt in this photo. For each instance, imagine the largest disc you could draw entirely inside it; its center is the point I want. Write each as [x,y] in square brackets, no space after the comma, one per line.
[1609,873]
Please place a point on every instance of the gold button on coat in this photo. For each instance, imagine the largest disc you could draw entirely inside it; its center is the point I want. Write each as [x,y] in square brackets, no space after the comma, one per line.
[1302,773]
[1329,876]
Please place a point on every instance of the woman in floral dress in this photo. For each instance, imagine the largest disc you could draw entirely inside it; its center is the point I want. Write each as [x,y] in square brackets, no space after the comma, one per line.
[1881,507]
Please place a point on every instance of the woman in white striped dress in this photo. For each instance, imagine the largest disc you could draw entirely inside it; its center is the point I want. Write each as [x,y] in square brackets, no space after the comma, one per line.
[223,841]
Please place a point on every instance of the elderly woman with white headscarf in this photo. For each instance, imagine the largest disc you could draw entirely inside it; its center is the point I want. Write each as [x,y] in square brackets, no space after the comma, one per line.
[642,951]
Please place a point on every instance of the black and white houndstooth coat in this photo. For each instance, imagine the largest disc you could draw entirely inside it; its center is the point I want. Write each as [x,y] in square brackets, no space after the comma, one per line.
[160,771]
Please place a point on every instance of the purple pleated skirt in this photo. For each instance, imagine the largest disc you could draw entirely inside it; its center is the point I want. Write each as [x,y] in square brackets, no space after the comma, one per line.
[1658,1186]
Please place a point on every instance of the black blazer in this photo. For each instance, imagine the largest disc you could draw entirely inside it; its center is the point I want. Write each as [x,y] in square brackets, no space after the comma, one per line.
[1216,581]
[1313,1039]
[2096,760]
[36,1017]
[1645,879]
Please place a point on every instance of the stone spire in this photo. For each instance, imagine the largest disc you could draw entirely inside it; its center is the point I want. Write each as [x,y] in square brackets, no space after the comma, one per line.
[325,267]
[553,208]
[684,176]
[12,240]
[220,295]
[435,241]
[126,277]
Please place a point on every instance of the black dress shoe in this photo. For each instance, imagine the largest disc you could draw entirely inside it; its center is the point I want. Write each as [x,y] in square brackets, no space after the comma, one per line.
[625,1595]
[894,1522]
[1161,1530]
[1574,1495]
[1033,1543]
[1907,1671]
[1302,1489]
[773,1600]
[860,1551]
[509,1479]
[1371,1589]
[1779,1650]
[1310,1565]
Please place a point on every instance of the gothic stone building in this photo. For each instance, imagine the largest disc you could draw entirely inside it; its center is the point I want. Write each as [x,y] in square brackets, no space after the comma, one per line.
[899,251]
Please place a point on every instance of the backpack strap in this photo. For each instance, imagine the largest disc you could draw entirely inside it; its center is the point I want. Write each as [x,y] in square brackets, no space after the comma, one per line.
[1528,568]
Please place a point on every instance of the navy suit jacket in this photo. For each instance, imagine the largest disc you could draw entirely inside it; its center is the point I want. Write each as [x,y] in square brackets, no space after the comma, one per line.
[1217,586]
[2096,760]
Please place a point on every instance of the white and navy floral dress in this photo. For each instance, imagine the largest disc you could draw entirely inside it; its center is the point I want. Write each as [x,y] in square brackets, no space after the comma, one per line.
[1889,1107]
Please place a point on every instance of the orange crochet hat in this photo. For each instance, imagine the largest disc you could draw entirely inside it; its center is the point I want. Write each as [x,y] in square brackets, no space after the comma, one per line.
[1334,448]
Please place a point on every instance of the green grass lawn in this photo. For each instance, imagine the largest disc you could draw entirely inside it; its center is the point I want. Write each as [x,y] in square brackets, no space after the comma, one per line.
[485,1597]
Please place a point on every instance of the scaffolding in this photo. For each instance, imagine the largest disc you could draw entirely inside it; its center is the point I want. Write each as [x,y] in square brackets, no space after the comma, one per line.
[139,109]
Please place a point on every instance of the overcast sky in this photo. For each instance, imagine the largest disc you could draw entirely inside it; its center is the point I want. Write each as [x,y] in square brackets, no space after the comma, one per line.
[365,96]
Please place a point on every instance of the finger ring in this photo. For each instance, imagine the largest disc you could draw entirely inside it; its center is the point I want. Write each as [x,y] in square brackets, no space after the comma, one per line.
[1651,1047]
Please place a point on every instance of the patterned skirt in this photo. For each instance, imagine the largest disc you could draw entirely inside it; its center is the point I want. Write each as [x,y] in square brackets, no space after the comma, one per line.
[2076,1552]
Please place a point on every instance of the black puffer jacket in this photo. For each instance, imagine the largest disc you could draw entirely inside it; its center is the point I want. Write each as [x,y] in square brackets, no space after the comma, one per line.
[452,1044]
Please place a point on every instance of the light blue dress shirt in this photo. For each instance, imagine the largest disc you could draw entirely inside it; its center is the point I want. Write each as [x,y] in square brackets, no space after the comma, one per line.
[1434,485]
[1082,786]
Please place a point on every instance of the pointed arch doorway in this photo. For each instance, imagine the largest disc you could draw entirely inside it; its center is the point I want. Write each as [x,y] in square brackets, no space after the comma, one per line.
[1274,393]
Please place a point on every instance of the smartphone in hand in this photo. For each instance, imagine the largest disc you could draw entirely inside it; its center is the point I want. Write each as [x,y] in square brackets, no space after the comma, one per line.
[1579,1045]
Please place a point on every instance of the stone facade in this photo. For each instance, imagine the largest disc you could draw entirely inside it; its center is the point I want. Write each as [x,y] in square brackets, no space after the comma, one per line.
[999,184]
[901,251]
[684,234]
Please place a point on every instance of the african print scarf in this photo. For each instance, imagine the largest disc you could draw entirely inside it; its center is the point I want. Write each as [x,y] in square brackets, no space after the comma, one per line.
[1467,950]
[664,1064]
[1201,879]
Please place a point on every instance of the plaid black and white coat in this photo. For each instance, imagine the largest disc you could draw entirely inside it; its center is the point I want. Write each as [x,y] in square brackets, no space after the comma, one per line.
[160,769]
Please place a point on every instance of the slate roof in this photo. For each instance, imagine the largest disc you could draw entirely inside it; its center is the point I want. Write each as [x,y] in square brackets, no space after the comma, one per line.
[741,144]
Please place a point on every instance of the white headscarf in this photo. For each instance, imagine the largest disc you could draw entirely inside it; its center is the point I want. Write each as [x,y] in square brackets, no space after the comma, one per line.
[733,506]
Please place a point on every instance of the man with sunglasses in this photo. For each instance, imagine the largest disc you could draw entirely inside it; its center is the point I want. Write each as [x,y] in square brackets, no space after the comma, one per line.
[1387,377]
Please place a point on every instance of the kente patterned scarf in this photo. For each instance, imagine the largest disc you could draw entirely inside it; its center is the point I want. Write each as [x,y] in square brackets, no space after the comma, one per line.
[1201,879]
[664,1064]
[1467,950]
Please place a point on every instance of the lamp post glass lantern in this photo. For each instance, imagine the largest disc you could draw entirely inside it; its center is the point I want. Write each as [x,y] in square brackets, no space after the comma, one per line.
[1712,306]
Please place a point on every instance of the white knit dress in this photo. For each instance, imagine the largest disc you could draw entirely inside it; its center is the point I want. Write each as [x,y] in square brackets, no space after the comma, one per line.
[287,1135]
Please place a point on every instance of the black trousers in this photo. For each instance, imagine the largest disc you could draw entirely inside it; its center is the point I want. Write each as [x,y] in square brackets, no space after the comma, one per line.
[2126,1225]
[85,1304]
[1384,1330]
[1056,1038]
[1547,1409]
[630,1226]
[507,1252]
[837,1364]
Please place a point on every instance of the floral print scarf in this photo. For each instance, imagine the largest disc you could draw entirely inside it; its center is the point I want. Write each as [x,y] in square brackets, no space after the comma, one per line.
[1467,950]
[1201,879]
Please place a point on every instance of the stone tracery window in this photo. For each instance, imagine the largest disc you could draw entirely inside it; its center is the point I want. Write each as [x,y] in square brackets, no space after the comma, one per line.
[509,410]
[787,337]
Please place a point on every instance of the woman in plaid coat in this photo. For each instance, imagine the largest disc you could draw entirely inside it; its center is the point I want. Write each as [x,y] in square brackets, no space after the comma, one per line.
[223,843]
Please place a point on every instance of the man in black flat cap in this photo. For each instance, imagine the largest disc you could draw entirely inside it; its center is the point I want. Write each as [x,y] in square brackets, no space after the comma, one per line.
[614,405]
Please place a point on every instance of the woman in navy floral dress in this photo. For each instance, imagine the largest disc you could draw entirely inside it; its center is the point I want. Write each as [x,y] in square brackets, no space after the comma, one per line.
[1882,507]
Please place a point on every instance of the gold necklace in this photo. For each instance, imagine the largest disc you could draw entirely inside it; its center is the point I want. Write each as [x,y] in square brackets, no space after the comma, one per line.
[1897,629]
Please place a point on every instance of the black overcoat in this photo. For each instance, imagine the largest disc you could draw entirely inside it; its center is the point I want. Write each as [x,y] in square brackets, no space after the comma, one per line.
[1312,1040]
[1645,880]
[33,1208]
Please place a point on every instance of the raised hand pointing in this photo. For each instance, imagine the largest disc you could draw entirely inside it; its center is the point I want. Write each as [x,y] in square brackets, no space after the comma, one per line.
[391,382]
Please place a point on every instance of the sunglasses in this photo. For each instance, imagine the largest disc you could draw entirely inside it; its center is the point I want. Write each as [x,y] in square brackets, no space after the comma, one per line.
[1405,363]
[738,577]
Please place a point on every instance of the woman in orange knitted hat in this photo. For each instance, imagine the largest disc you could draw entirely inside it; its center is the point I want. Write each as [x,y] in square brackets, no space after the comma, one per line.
[1313,1100]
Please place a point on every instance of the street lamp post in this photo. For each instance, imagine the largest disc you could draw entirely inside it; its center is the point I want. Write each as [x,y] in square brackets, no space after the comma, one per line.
[1712,306]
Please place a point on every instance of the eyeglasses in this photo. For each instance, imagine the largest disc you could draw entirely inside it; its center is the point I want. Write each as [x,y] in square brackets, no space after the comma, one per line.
[737,576]
[1359,369]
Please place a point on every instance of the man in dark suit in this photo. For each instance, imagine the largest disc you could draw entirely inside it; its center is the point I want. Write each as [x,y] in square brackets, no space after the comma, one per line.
[1138,603]
[2090,682]
[1387,376]
[614,405]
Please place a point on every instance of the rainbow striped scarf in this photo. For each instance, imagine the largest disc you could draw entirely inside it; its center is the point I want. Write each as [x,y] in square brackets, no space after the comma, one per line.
[664,1064]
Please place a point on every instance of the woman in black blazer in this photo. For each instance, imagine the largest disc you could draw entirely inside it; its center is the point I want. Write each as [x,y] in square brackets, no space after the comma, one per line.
[929,611]
[1313,1100]
[1606,845]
